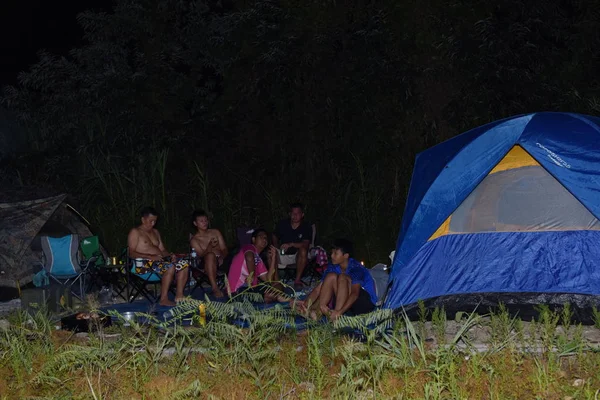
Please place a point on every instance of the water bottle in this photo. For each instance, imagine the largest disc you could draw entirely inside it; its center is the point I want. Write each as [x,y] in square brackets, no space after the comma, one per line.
[194,255]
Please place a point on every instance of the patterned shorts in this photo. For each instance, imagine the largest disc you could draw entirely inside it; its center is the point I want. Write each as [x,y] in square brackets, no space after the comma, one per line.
[160,267]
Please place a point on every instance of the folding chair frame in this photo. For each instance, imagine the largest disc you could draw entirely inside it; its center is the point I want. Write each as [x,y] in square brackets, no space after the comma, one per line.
[68,280]
[95,269]
[201,276]
[137,285]
[115,276]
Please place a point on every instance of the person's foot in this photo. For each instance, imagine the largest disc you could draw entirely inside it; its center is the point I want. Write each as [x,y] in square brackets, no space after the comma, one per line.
[179,299]
[313,315]
[300,306]
[167,303]
[299,285]
[217,293]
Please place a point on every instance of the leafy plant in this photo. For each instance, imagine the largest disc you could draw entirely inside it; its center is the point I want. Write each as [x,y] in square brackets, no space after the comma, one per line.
[438,320]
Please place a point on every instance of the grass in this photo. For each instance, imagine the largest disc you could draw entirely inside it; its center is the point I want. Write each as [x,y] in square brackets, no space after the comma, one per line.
[396,359]
[112,188]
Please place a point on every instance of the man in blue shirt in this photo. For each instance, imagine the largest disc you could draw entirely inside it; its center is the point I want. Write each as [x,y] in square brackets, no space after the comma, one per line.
[345,281]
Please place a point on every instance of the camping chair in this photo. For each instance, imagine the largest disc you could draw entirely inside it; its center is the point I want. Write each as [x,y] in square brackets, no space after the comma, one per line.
[62,263]
[90,247]
[198,275]
[287,267]
[138,283]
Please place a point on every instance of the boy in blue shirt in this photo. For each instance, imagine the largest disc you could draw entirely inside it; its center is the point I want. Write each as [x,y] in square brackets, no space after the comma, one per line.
[345,281]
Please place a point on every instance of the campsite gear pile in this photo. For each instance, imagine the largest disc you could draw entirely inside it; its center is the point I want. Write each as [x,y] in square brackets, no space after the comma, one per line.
[85,322]
[26,216]
[32,223]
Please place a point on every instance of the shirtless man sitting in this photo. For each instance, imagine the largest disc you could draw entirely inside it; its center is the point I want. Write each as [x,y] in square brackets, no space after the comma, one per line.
[210,245]
[144,242]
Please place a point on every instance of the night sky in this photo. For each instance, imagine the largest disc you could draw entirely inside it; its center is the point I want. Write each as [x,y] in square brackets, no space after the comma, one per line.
[27,26]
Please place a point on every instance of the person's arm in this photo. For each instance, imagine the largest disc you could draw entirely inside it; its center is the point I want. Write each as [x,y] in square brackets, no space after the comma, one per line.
[161,246]
[272,263]
[249,256]
[197,244]
[132,243]
[314,295]
[222,245]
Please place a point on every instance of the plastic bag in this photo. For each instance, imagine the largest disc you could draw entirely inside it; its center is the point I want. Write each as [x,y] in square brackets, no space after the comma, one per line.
[41,279]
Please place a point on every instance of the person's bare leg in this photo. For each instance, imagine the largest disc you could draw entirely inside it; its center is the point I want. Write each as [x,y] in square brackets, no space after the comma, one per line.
[343,290]
[328,291]
[282,297]
[311,309]
[301,262]
[272,274]
[165,283]
[181,277]
[273,295]
[210,267]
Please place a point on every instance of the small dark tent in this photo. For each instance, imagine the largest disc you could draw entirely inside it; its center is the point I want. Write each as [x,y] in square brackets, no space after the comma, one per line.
[25,215]
[507,212]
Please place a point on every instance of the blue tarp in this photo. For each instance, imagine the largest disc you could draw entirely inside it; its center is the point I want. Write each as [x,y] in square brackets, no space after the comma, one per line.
[566,145]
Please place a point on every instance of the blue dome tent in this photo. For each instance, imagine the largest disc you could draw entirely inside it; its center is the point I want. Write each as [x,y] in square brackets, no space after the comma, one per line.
[507,212]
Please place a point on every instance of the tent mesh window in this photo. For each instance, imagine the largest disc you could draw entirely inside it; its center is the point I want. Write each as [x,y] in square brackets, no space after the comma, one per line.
[521,199]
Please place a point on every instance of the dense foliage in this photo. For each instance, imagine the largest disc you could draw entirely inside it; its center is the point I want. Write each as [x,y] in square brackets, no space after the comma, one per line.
[243,106]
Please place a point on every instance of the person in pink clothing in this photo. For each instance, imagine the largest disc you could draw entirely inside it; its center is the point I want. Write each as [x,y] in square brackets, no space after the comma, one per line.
[248,269]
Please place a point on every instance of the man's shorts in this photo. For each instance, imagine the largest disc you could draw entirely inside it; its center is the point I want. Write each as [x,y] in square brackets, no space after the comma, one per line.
[291,251]
[363,304]
[160,267]
[285,260]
